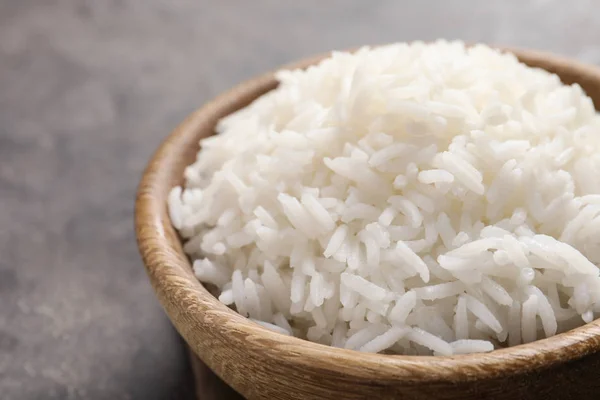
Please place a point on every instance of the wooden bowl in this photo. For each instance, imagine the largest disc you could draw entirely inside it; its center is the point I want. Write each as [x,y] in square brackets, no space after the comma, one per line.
[261,364]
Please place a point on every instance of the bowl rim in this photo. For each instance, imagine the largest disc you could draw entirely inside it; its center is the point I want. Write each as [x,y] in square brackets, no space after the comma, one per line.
[192,308]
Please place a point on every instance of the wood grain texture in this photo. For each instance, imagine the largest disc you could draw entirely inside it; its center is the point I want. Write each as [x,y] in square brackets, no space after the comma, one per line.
[261,364]
[208,385]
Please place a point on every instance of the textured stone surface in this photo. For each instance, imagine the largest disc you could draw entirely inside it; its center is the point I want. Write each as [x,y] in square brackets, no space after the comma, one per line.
[89,88]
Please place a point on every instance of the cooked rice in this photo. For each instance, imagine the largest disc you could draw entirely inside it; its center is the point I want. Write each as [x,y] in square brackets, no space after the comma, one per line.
[413,199]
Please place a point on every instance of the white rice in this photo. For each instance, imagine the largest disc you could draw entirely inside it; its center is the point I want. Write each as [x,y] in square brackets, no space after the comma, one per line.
[413,199]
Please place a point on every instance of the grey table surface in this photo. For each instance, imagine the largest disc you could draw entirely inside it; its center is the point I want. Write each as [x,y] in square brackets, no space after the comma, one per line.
[89,88]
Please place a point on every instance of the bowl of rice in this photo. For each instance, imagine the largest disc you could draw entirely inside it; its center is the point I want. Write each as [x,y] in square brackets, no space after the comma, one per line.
[404,221]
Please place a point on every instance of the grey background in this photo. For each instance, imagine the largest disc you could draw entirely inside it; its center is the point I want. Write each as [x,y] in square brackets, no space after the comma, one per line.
[88,89]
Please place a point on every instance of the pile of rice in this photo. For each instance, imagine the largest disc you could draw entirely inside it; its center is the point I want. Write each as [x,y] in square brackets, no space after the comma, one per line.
[411,199]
